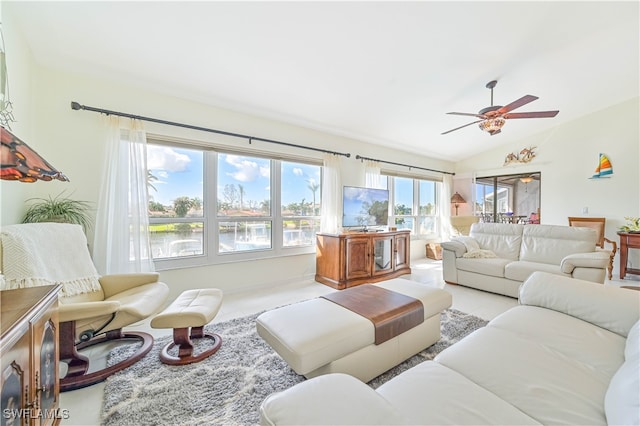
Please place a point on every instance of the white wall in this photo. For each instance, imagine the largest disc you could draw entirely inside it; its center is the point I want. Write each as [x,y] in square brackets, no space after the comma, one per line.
[567,156]
[72,141]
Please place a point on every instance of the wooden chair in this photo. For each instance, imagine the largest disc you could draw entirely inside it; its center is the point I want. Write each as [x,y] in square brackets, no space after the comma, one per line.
[597,223]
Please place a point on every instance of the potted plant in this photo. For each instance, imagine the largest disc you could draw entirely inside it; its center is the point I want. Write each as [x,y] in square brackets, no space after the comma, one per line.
[58,209]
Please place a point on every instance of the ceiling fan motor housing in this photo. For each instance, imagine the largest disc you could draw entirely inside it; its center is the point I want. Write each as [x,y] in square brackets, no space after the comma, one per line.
[490,110]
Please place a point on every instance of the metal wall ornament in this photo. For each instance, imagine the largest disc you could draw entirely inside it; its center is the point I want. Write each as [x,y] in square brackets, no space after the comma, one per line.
[524,156]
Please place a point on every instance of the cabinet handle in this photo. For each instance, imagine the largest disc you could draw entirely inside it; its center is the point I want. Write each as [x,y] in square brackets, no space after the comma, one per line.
[34,403]
[38,387]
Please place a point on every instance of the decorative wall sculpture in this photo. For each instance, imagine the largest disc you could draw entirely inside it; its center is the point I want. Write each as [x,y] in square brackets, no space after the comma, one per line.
[526,155]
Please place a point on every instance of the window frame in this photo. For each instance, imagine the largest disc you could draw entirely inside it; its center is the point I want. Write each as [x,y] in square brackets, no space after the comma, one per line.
[211,254]
[416,215]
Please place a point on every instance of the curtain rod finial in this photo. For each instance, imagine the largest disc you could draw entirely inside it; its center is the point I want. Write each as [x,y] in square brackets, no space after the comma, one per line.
[75,106]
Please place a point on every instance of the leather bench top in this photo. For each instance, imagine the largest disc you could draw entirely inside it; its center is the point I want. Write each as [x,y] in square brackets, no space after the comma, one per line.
[390,312]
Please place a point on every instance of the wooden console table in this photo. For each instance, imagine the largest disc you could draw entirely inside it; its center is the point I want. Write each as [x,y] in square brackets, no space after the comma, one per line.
[350,259]
[628,240]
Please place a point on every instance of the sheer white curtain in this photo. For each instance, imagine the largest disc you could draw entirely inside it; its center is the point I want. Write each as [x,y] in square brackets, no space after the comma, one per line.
[121,242]
[445,207]
[372,174]
[331,194]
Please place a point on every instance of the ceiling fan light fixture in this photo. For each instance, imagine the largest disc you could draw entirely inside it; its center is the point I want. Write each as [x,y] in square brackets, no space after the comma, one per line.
[526,179]
[492,125]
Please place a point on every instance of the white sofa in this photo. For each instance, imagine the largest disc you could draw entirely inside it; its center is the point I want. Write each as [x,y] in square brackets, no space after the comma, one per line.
[506,254]
[569,353]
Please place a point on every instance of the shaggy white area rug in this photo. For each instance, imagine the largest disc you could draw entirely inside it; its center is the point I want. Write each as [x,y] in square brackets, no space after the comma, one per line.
[228,387]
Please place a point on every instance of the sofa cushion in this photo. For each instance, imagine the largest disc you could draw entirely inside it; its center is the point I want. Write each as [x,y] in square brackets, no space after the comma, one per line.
[551,243]
[494,266]
[501,238]
[324,403]
[540,381]
[595,303]
[622,401]
[431,393]
[592,346]
[520,270]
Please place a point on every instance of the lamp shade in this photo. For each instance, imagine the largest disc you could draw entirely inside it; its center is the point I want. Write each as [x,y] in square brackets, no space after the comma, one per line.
[457,199]
[20,162]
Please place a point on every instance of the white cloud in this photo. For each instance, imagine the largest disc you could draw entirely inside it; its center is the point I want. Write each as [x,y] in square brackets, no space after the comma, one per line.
[297,171]
[165,158]
[246,170]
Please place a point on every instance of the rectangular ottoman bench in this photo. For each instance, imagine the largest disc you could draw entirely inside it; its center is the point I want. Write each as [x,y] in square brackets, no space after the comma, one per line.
[318,336]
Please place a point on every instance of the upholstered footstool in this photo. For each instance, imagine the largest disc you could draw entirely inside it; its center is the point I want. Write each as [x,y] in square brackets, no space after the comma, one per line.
[187,316]
[319,336]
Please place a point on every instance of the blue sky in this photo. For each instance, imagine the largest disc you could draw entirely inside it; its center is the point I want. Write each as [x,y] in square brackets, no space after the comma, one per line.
[180,173]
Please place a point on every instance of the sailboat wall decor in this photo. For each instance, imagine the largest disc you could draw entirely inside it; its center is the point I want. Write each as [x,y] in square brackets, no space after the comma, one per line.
[604,169]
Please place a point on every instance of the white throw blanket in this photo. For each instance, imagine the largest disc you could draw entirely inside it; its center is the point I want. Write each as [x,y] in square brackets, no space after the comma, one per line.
[36,254]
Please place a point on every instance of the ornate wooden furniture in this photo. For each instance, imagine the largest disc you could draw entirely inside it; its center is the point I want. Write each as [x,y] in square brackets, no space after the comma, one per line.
[627,241]
[349,259]
[29,350]
[597,223]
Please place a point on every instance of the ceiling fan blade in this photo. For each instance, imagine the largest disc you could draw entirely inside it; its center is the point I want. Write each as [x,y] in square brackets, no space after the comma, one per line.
[469,114]
[458,128]
[534,114]
[517,104]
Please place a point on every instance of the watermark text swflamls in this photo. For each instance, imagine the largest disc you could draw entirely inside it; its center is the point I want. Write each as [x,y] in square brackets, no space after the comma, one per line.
[35,413]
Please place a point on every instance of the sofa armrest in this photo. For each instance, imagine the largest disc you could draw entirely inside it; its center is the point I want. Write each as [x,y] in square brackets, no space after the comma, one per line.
[613,308]
[117,283]
[85,310]
[330,399]
[455,246]
[596,259]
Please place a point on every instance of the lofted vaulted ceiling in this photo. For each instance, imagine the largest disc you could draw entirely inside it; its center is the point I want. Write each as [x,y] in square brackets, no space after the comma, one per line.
[382,72]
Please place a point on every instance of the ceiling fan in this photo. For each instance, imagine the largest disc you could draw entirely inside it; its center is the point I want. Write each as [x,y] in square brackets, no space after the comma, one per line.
[492,118]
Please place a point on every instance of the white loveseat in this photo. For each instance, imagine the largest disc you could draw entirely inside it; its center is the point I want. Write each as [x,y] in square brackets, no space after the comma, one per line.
[569,353]
[506,254]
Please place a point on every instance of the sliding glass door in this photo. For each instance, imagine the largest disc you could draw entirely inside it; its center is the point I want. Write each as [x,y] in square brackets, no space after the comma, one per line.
[508,198]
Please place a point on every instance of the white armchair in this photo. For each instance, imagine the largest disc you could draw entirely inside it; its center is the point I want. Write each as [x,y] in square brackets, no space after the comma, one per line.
[92,309]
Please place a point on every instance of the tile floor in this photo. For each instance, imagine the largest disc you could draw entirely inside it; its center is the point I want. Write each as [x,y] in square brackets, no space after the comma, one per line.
[84,405]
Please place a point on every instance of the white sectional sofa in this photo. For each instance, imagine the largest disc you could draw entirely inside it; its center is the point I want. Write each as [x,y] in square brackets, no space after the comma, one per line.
[569,353]
[498,257]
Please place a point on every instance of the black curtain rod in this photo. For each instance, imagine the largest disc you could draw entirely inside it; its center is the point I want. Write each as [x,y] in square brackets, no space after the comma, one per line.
[359,157]
[77,106]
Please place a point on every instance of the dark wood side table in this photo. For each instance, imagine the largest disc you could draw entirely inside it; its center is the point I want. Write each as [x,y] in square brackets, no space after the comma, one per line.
[628,240]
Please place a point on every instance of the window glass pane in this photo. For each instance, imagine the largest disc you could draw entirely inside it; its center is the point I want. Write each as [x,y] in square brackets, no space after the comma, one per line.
[244,186]
[300,191]
[428,225]
[175,181]
[404,223]
[427,197]
[300,232]
[176,239]
[403,196]
[239,236]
